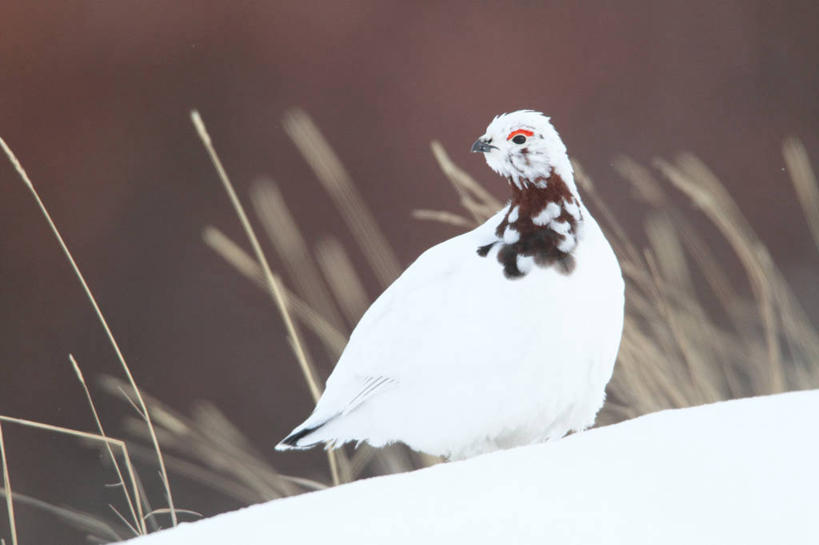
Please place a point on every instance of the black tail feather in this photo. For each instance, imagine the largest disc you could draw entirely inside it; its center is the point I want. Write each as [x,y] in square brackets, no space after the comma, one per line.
[292,440]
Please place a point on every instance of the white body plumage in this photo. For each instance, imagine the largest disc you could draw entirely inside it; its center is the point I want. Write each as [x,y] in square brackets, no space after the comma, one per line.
[457,359]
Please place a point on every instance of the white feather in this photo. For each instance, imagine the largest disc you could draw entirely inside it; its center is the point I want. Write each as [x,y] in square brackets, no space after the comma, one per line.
[513,214]
[510,235]
[550,212]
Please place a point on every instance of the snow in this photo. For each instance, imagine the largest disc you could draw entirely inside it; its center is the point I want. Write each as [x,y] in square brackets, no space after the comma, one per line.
[733,472]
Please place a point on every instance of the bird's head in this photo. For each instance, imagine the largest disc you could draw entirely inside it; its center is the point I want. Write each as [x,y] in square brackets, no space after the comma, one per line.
[524,147]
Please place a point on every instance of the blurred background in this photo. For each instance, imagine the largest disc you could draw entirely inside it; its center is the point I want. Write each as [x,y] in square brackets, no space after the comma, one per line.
[95,100]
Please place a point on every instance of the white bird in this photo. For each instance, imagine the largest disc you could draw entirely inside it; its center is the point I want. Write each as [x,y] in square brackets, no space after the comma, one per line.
[502,336]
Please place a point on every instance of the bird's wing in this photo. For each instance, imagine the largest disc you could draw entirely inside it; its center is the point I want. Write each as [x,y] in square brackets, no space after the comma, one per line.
[438,305]
[369,387]
[408,323]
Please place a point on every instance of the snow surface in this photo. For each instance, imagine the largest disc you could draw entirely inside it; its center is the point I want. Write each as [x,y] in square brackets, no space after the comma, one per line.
[743,471]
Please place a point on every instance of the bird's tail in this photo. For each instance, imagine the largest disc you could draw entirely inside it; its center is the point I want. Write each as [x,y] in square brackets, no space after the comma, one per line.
[305,436]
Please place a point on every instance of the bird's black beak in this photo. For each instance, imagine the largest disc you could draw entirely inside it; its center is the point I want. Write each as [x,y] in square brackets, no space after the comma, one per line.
[482,146]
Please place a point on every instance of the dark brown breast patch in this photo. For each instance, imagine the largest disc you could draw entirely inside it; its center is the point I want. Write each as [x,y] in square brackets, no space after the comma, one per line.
[529,229]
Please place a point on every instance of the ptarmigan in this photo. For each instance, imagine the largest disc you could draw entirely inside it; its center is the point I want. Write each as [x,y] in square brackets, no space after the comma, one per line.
[502,336]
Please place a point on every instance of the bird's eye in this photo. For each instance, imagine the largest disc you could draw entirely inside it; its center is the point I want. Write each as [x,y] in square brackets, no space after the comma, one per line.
[519,136]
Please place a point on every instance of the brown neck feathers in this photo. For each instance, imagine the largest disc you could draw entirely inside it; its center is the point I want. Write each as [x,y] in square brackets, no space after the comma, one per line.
[539,228]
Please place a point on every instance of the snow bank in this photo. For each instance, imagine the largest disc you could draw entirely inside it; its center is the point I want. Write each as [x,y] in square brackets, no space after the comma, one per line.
[742,471]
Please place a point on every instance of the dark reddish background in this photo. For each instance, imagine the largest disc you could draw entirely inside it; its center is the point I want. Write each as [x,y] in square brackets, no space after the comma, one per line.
[94,98]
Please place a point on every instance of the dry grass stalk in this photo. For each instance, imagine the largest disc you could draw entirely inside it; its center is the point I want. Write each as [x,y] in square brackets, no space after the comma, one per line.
[804,181]
[129,468]
[136,510]
[164,511]
[656,355]
[65,431]
[442,216]
[7,489]
[283,231]
[609,223]
[474,198]
[124,520]
[649,190]
[688,320]
[101,317]
[227,486]
[82,520]
[96,530]
[727,363]
[235,256]
[338,184]
[694,179]
[344,282]
[218,445]
[272,281]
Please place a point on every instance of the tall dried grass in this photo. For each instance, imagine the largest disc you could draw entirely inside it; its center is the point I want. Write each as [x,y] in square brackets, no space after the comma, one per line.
[133,497]
[692,334]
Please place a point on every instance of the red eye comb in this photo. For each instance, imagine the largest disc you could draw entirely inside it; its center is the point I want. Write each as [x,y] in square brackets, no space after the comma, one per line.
[519,131]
